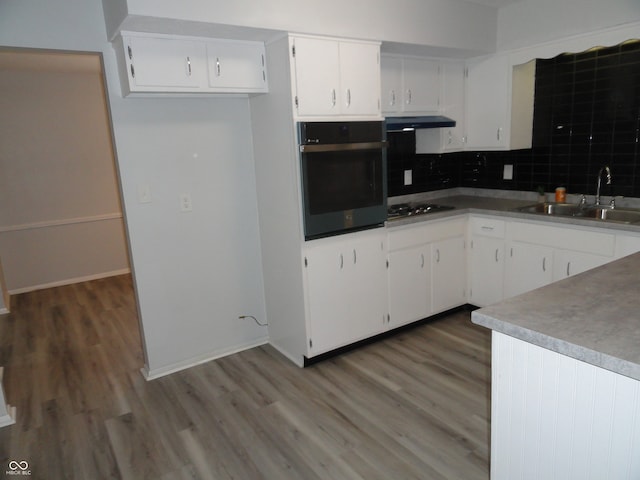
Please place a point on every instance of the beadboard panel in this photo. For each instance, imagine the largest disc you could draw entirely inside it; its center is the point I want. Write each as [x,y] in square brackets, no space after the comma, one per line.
[555,417]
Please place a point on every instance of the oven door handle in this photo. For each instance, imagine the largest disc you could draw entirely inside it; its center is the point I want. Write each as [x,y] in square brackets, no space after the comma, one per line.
[342,147]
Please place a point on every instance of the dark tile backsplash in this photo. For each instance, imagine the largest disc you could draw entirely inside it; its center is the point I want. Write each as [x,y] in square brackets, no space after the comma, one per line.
[586,115]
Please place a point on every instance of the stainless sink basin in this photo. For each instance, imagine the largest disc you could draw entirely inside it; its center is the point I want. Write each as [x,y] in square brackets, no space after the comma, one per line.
[613,215]
[548,208]
[619,215]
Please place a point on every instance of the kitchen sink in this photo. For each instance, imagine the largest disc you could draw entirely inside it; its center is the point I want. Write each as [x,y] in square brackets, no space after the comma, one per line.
[619,215]
[613,215]
[549,208]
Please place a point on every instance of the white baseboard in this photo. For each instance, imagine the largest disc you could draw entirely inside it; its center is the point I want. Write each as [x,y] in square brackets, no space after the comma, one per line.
[152,374]
[70,281]
[9,418]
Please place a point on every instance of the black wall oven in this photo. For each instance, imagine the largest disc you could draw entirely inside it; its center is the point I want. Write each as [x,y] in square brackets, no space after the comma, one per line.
[344,176]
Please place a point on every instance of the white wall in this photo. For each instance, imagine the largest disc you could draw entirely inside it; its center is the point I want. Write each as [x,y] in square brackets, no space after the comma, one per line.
[452,24]
[194,272]
[530,22]
[60,215]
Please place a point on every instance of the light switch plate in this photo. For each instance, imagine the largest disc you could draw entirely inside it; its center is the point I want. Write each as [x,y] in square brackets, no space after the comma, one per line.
[507,173]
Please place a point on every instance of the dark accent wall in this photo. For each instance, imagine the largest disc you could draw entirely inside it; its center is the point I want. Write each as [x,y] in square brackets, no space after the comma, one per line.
[586,115]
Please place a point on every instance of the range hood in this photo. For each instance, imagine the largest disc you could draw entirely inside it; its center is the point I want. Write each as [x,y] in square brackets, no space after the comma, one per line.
[395,124]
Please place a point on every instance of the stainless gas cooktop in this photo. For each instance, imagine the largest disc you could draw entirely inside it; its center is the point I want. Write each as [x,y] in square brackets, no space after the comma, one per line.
[403,210]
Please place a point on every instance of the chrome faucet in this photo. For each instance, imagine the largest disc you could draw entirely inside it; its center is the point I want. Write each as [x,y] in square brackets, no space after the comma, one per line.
[608,171]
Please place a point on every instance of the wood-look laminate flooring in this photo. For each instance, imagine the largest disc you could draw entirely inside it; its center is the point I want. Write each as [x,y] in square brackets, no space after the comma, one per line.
[412,406]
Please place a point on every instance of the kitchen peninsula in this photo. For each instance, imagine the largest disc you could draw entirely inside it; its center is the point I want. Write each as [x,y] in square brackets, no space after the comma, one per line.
[566,377]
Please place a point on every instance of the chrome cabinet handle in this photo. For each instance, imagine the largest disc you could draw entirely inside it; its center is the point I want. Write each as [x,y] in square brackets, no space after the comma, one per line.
[355,258]
[133,71]
[496,255]
[393,98]
[422,258]
[130,52]
[341,261]
[438,255]
[189,65]
[333,97]
[348,97]
[498,133]
[218,71]
[568,269]
[409,96]
[544,264]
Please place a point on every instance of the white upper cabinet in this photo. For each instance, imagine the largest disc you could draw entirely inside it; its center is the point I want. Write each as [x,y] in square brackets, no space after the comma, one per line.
[236,66]
[391,84]
[336,77]
[161,64]
[154,63]
[410,85]
[452,105]
[487,104]
[421,91]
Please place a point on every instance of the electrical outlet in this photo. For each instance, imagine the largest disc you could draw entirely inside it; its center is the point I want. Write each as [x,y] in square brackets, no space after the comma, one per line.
[408,177]
[185,202]
[507,173]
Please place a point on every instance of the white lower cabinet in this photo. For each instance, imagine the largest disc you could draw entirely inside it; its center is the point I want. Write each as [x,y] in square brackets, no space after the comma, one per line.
[527,267]
[346,283]
[567,263]
[361,284]
[539,254]
[427,270]
[409,285]
[449,273]
[486,261]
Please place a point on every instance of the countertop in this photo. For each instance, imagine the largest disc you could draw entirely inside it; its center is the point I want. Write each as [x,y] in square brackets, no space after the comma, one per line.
[593,317]
[499,205]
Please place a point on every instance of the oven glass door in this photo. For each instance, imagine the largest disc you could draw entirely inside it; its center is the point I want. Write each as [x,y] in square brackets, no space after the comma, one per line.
[338,181]
[343,189]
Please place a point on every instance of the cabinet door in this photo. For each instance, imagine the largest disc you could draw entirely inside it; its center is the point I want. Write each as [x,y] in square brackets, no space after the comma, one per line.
[486,278]
[567,263]
[317,74]
[165,64]
[449,273]
[487,103]
[391,82]
[366,289]
[346,289]
[236,66]
[452,101]
[527,267]
[421,85]
[359,78]
[409,285]
[327,297]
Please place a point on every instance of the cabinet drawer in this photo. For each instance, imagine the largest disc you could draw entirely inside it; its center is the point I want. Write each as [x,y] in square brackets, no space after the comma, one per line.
[429,231]
[407,237]
[441,229]
[488,227]
[567,238]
